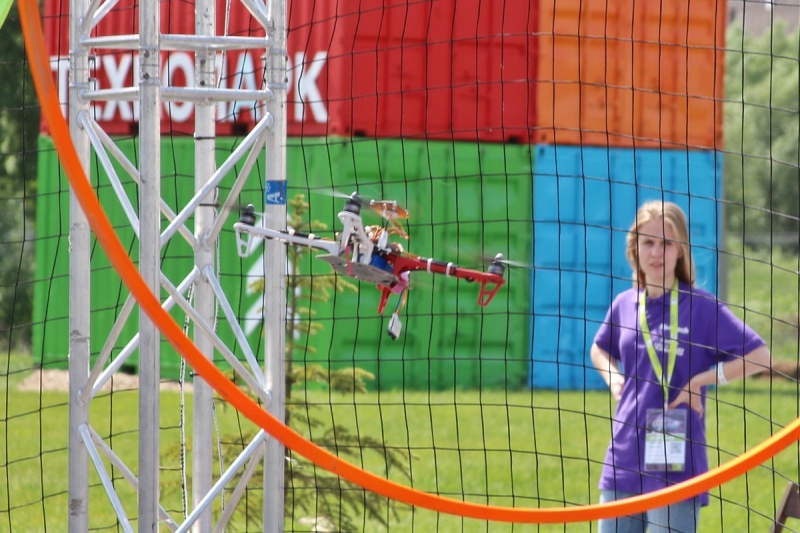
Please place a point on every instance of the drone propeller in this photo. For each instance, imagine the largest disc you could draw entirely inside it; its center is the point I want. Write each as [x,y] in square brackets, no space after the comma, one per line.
[473,256]
[512,263]
[331,192]
[499,263]
[387,209]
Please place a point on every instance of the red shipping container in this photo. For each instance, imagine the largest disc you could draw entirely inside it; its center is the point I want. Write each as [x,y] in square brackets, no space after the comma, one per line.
[114,69]
[377,68]
[631,73]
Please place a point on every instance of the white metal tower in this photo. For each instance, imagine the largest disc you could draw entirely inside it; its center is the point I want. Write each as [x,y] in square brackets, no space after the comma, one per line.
[199,293]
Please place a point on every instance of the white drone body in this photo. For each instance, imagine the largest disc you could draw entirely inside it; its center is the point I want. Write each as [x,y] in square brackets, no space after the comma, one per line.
[351,254]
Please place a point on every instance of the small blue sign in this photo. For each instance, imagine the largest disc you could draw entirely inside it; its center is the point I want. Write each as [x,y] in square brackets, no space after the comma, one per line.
[275,192]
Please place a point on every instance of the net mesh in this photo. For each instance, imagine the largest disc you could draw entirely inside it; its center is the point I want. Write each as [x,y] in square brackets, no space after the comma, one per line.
[530,129]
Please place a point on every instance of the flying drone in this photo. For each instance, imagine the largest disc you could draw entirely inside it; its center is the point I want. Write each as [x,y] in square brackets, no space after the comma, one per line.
[366,254]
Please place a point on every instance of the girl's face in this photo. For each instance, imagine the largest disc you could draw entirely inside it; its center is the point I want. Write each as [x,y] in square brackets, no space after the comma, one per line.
[658,253]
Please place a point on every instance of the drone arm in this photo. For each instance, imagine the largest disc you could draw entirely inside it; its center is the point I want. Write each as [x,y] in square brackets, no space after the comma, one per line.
[284,236]
[385,293]
[490,282]
[310,240]
[412,264]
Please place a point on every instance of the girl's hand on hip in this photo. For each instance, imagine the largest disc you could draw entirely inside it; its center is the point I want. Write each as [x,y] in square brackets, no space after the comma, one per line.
[692,396]
[615,383]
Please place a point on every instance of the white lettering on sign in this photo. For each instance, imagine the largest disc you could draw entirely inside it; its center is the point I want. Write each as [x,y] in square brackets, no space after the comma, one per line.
[117,74]
[177,62]
[245,78]
[306,89]
[120,70]
[60,65]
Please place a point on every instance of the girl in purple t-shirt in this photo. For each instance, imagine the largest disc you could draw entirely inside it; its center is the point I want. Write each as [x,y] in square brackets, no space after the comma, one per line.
[661,344]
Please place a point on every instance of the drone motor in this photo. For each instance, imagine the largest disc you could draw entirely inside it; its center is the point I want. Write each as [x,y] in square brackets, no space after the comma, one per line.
[497,266]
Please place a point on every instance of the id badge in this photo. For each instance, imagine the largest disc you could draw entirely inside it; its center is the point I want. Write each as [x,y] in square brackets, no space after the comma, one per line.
[665,441]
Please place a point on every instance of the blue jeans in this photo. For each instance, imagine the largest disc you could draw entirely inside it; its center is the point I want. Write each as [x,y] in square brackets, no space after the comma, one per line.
[681,517]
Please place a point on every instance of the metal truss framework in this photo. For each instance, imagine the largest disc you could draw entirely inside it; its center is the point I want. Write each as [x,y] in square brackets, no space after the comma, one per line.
[86,446]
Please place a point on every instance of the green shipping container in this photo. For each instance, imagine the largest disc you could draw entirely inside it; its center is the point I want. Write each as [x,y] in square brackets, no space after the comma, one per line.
[465,201]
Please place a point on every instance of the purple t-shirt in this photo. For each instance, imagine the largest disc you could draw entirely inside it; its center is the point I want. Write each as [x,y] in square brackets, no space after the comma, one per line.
[708,333]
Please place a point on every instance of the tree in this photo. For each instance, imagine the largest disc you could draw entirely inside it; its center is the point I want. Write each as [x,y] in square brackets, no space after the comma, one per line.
[19,122]
[762,121]
[330,499]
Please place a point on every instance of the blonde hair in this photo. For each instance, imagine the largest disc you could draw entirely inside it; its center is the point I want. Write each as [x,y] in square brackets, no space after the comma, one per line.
[673,216]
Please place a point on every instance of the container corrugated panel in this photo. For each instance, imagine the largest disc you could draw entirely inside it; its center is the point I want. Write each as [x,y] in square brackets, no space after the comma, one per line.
[631,73]
[355,68]
[465,200]
[586,199]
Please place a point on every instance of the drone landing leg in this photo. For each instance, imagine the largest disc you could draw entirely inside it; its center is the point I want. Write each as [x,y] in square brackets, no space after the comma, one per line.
[385,293]
[488,290]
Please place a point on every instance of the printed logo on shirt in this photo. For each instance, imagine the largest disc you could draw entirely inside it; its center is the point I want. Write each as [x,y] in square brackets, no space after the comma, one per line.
[661,341]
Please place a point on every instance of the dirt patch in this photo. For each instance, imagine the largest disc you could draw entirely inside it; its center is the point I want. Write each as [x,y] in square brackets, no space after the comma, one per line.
[58,380]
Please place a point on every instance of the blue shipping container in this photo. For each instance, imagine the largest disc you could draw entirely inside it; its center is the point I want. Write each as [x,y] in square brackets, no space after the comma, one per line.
[585,199]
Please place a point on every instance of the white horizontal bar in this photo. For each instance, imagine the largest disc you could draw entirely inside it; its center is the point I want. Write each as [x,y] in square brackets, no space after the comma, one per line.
[198,43]
[197,94]
[179,94]
[212,42]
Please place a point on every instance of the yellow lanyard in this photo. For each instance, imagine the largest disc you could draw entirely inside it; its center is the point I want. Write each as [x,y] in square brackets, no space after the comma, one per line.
[673,339]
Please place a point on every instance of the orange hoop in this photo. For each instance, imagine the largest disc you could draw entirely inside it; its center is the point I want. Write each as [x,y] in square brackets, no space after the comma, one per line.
[40,68]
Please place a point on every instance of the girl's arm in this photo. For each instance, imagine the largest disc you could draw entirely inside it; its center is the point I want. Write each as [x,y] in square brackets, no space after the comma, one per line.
[754,362]
[608,368]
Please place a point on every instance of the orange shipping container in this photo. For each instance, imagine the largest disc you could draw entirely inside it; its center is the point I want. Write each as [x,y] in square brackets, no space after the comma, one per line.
[631,73]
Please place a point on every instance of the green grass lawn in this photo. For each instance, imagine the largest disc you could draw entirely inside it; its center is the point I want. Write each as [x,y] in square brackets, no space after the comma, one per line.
[764,290]
[523,449]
